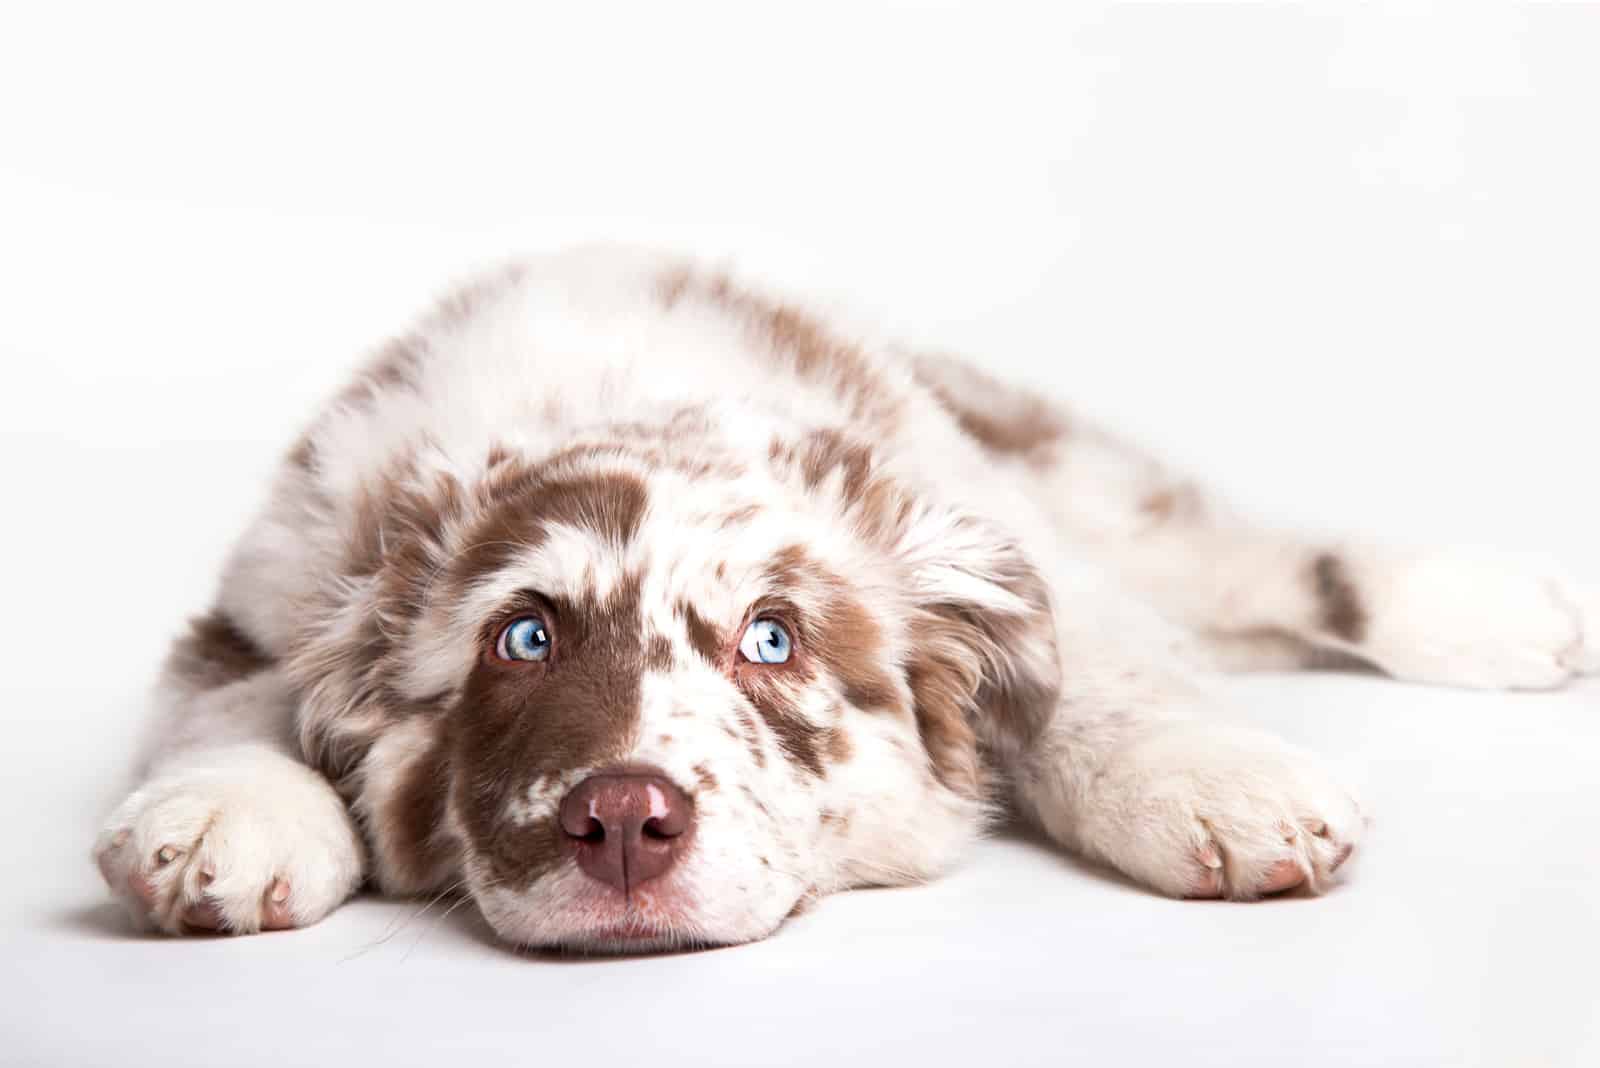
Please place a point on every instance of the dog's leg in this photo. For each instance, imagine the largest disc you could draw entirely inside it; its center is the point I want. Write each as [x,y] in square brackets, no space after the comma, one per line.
[1129,771]
[1445,617]
[230,830]
[1264,598]
[1261,598]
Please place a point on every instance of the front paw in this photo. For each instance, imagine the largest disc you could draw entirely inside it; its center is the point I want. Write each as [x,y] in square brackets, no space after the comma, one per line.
[246,842]
[1211,811]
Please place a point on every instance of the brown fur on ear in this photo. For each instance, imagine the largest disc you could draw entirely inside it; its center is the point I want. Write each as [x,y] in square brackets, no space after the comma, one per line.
[982,666]
[944,677]
[983,675]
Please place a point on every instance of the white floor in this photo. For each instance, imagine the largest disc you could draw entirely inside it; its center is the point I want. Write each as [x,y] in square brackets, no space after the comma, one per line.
[1465,936]
[1339,260]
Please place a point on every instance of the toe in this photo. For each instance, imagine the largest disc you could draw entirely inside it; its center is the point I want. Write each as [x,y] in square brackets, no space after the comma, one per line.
[1284,875]
[275,912]
[1208,883]
[204,915]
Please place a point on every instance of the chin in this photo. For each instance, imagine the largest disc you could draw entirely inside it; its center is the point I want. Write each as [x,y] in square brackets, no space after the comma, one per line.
[567,912]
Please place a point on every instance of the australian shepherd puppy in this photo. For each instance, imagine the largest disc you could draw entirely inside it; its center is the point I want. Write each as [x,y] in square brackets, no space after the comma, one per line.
[643,607]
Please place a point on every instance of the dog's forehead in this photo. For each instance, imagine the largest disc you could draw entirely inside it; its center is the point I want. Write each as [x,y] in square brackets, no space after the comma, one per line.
[717,547]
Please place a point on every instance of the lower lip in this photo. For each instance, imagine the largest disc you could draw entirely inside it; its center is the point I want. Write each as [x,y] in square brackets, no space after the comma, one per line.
[626,932]
[647,916]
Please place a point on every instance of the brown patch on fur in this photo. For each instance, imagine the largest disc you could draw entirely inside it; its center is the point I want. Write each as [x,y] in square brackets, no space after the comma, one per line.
[658,652]
[752,737]
[837,745]
[870,501]
[303,454]
[672,286]
[964,671]
[884,510]
[524,500]
[846,640]
[835,821]
[1003,419]
[687,442]
[738,517]
[797,339]
[854,653]
[1340,611]
[821,453]
[703,776]
[943,687]
[403,538]
[1024,436]
[215,653]
[774,691]
[515,721]
[703,636]
[413,819]
[798,738]
[1175,503]
[829,451]
[394,539]
[789,568]
[1160,505]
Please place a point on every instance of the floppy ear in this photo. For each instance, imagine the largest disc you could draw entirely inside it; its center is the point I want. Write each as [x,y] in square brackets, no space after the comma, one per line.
[983,666]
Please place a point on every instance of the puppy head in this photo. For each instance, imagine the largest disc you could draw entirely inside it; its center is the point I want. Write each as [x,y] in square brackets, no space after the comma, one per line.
[638,696]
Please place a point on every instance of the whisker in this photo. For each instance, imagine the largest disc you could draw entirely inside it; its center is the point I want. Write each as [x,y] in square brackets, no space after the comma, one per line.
[400,924]
[433,926]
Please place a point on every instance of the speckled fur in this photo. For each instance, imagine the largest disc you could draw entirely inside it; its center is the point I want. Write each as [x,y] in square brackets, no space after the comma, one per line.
[995,605]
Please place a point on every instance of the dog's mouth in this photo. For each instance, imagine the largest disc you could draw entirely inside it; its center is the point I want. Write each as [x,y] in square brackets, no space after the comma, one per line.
[636,926]
[569,912]
[637,936]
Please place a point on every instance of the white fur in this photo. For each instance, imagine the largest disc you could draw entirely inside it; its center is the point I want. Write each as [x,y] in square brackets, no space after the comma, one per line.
[1469,619]
[231,823]
[1145,576]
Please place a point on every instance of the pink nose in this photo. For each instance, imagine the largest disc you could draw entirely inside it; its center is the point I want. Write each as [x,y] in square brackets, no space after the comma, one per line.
[627,827]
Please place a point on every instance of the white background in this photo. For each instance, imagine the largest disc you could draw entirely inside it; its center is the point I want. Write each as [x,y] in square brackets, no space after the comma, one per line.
[1343,261]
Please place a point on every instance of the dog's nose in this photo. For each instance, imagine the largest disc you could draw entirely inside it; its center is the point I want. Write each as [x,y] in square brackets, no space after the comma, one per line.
[628,827]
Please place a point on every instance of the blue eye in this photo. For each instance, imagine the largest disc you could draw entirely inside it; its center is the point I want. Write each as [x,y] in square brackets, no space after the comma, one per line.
[765,642]
[523,639]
